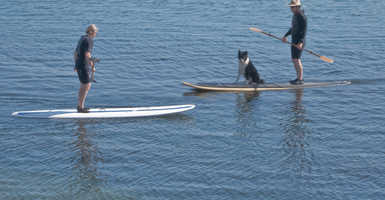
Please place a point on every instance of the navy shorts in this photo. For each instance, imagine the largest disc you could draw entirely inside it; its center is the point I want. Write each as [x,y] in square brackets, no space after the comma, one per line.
[296,53]
[84,75]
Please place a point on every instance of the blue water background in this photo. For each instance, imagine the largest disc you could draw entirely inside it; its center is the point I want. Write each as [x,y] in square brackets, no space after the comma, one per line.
[321,143]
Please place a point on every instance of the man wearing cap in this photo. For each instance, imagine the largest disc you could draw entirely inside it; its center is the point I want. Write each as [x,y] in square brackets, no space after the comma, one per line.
[83,61]
[298,35]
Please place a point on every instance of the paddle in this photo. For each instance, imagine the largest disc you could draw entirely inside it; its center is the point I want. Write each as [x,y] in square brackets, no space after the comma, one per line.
[95,60]
[311,52]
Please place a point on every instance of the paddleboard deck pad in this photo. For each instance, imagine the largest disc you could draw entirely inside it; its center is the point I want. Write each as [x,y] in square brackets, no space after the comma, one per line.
[243,87]
[105,112]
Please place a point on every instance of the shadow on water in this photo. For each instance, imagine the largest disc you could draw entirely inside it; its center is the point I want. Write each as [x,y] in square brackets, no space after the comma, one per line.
[297,152]
[201,93]
[86,177]
[368,81]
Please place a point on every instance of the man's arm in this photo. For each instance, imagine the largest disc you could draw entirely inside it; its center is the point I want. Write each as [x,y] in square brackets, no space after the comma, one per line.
[284,39]
[288,33]
[90,60]
[75,56]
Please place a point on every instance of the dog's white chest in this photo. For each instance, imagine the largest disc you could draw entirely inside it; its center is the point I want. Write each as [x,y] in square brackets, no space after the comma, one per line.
[243,65]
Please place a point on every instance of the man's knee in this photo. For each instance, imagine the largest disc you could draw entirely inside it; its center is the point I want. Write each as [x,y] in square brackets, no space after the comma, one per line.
[296,61]
[86,86]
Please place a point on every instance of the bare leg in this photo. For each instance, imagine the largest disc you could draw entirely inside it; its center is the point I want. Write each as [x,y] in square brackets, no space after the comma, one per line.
[298,68]
[83,91]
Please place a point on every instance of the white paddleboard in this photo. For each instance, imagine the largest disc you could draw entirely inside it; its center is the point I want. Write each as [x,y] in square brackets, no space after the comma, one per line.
[105,112]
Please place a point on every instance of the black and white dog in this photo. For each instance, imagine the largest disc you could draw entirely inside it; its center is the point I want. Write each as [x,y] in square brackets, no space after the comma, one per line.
[247,69]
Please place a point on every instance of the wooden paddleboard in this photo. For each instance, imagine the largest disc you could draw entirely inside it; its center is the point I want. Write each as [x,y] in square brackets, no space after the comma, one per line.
[105,112]
[241,87]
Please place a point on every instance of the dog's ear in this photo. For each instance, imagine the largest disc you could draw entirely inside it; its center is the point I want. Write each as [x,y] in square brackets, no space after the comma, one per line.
[239,53]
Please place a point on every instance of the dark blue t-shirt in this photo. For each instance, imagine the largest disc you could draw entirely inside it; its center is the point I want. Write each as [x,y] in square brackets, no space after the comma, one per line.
[85,44]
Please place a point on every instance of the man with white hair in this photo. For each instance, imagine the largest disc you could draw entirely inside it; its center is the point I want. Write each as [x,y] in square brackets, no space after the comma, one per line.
[83,61]
[298,35]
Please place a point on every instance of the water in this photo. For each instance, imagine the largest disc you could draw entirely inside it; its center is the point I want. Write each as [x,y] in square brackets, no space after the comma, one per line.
[322,143]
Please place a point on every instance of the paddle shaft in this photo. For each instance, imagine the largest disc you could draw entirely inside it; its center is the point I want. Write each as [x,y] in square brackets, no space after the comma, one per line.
[273,36]
[278,38]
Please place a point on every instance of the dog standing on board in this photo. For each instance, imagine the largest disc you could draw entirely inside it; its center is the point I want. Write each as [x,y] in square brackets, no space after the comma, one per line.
[247,69]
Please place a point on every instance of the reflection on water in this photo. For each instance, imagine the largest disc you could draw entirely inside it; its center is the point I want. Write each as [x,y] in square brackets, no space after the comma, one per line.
[296,149]
[86,178]
[245,109]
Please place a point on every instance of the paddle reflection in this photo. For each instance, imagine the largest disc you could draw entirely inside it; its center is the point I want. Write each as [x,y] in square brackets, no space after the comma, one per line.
[296,149]
[86,160]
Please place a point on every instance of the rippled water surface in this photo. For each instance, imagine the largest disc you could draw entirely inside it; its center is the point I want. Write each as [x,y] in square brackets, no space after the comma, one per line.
[320,143]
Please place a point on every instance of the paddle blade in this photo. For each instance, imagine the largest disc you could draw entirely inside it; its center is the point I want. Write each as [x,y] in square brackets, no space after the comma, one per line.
[326,59]
[255,29]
